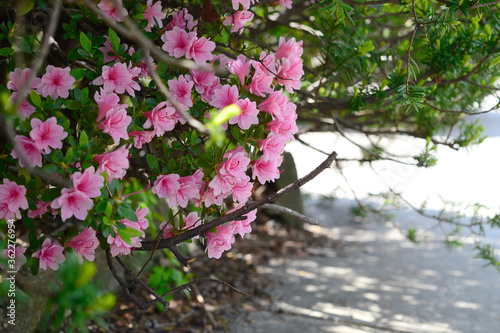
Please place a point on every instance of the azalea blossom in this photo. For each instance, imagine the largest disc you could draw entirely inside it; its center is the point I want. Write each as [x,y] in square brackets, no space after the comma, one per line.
[220,241]
[288,49]
[19,78]
[106,102]
[89,183]
[30,151]
[248,115]
[182,19]
[116,124]
[272,146]
[73,203]
[114,9]
[266,170]
[25,109]
[224,96]
[41,208]
[238,20]
[240,67]
[50,255]
[107,49]
[118,246]
[57,82]
[244,3]
[117,79]
[141,137]
[177,41]
[161,118]
[47,134]
[166,186]
[153,12]
[290,73]
[200,50]
[115,163]
[243,226]
[261,83]
[12,199]
[181,89]
[84,244]
[274,103]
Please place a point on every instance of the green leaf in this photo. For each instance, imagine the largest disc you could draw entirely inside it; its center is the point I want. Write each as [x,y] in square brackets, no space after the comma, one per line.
[35,98]
[84,140]
[77,73]
[72,104]
[109,209]
[153,163]
[51,194]
[50,168]
[6,51]
[85,42]
[114,39]
[128,233]
[101,206]
[127,212]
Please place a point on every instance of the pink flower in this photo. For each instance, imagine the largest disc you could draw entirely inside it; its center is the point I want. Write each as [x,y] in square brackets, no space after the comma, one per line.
[168,230]
[177,42]
[118,246]
[220,241]
[72,203]
[152,12]
[248,116]
[12,199]
[200,50]
[162,118]
[57,82]
[47,134]
[238,20]
[17,256]
[84,244]
[41,208]
[243,227]
[192,221]
[166,186]
[285,4]
[51,255]
[244,3]
[117,79]
[240,67]
[261,83]
[25,109]
[266,170]
[107,102]
[188,190]
[182,20]
[272,146]
[116,124]
[106,49]
[210,198]
[242,190]
[290,48]
[181,90]
[290,73]
[142,222]
[224,96]
[274,103]
[114,163]
[141,137]
[202,80]
[116,13]
[287,125]
[19,78]
[89,183]
[30,150]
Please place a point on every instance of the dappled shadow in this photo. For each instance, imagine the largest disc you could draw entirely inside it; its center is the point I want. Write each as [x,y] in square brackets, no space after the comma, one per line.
[380,279]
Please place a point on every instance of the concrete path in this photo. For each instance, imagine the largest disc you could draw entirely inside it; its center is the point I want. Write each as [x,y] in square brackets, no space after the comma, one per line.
[377,281]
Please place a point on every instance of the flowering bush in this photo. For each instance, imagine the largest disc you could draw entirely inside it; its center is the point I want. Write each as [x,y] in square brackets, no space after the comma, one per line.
[200,130]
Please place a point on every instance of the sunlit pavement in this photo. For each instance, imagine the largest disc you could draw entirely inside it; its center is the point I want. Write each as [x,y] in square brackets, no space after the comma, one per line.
[380,281]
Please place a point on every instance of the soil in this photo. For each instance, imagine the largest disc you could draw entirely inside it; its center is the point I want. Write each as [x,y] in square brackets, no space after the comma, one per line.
[214,306]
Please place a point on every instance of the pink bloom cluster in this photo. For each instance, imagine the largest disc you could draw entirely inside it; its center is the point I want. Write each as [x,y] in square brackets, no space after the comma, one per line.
[222,240]
[77,200]
[114,163]
[50,255]
[179,190]
[117,245]
[84,244]
[12,200]
[19,78]
[191,221]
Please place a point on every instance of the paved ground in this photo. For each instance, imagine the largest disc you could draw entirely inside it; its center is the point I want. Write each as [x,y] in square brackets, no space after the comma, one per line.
[377,282]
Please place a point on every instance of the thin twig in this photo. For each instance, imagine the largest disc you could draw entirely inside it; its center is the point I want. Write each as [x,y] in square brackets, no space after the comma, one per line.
[291,212]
